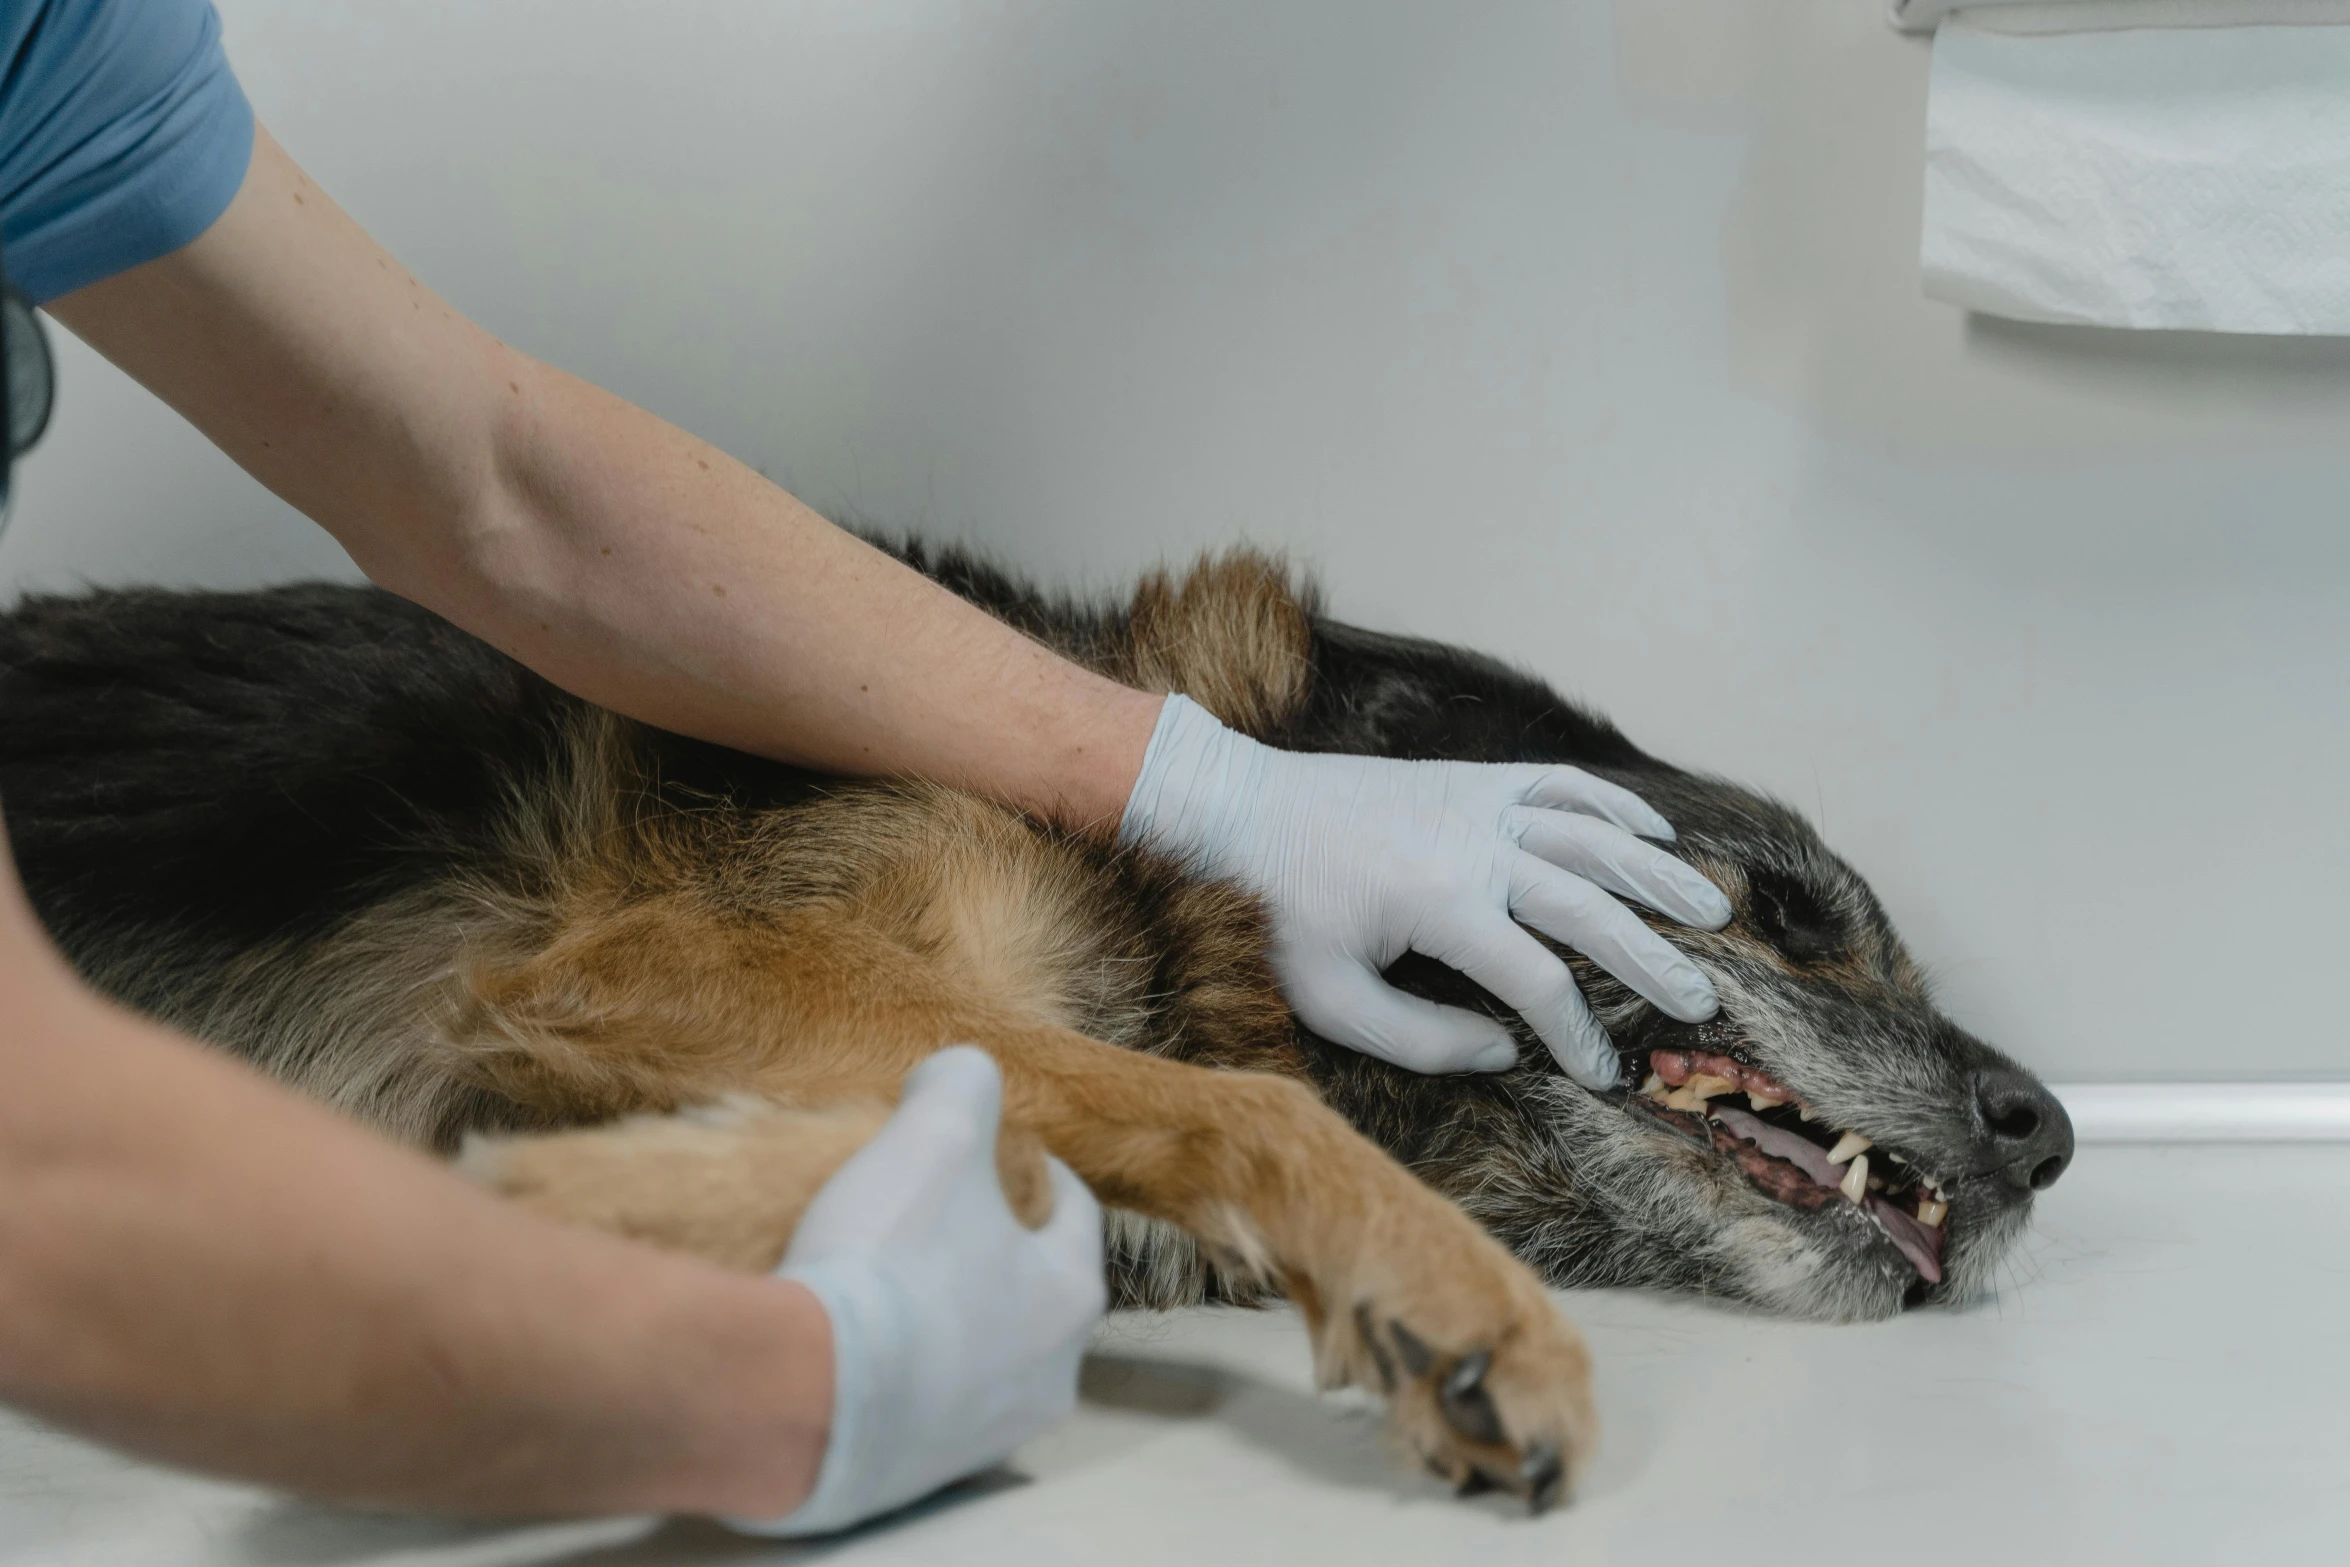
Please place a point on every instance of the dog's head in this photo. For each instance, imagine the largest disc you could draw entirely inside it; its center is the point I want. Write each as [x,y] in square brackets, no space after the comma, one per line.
[1828,1051]
[1681,1178]
[1830,1145]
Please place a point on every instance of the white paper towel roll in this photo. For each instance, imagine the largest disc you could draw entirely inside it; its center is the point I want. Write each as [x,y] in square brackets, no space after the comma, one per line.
[2192,178]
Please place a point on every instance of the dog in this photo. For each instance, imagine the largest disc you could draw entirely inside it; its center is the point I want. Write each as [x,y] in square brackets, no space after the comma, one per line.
[639,982]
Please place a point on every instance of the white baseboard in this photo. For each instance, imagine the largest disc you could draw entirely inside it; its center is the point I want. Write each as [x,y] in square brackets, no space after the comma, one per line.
[2207,1112]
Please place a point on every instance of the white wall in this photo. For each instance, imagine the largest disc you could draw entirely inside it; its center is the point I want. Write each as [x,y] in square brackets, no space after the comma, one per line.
[1590,335]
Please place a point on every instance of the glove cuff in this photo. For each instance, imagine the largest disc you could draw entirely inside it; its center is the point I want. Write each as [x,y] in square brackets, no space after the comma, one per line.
[869,1331]
[1192,767]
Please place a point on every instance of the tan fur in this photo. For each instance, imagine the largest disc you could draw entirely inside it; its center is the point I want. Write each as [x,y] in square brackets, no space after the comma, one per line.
[664,1002]
[727,1182]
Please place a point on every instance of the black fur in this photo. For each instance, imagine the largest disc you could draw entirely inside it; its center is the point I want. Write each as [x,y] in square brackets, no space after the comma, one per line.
[233,769]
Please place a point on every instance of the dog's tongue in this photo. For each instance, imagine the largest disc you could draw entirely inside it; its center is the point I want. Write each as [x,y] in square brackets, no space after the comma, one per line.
[1802,1152]
[1920,1244]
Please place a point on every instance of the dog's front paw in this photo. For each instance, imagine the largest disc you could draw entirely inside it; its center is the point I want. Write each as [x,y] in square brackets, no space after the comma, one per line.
[1487,1385]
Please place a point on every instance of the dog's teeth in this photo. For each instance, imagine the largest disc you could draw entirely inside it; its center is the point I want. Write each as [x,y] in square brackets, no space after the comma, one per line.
[1700,1087]
[1762,1101]
[1876,1183]
[1654,1088]
[1807,1112]
[1932,1213]
[1856,1179]
[1849,1144]
[1896,1158]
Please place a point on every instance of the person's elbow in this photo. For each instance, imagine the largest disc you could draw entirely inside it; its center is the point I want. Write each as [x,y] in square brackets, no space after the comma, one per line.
[481,540]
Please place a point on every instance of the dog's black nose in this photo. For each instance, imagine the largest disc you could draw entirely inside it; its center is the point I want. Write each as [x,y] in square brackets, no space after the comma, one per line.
[2021,1130]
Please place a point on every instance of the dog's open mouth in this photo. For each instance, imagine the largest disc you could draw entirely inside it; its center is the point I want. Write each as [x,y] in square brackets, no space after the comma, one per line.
[1791,1154]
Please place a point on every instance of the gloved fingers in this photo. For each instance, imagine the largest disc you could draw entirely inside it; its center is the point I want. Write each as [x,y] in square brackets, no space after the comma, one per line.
[1604,853]
[1572,789]
[941,1138]
[957,1334]
[1533,981]
[1072,1238]
[1351,1005]
[1572,911]
[948,1111]
[961,1080]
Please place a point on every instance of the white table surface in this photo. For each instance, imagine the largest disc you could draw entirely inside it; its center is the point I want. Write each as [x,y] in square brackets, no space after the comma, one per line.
[2164,1378]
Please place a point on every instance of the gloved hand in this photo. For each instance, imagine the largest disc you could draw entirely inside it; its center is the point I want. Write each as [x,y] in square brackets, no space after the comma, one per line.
[956,1333]
[1362,859]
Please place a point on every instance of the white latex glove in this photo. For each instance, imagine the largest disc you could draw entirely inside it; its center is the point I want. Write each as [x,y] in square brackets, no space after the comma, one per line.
[1362,859]
[956,1333]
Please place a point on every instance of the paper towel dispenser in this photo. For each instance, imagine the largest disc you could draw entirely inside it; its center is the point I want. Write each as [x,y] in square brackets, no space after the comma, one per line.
[2180,164]
[2062,16]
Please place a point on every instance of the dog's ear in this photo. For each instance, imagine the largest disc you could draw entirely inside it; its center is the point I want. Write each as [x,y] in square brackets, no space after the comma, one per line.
[1235,635]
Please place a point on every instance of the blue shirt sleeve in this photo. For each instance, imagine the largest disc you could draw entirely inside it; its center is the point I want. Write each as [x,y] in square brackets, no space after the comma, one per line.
[123,134]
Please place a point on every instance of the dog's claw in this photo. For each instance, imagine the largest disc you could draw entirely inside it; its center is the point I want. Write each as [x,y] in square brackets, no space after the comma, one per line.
[1543,1476]
[1467,1407]
[1467,1372]
[1371,1342]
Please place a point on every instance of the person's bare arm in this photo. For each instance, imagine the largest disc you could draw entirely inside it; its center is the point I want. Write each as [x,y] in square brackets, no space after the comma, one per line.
[200,1267]
[614,553]
[643,569]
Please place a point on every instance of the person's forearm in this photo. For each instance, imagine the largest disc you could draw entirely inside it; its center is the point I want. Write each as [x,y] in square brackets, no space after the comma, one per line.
[624,559]
[200,1267]
[638,566]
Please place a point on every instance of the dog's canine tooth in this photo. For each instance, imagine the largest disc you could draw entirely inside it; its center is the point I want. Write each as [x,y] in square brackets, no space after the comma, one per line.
[1762,1101]
[1856,1179]
[1654,1088]
[1807,1112]
[1932,1213]
[1849,1144]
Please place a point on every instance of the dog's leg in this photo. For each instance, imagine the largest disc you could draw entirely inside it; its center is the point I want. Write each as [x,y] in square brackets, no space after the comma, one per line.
[661,1005]
[1402,1293]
